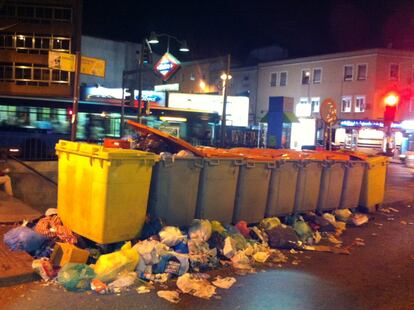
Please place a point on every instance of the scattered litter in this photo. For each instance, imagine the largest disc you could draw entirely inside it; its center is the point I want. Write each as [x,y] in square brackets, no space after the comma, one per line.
[171,236]
[326,248]
[378,224]
[343,214]
[143,289]
[123,281]
[374,234]
[390,218]
[261,257]
[359,219]
[403,222]
[359,242]
[44,268]
[408,206]
[224,283]
[75,277]
[295,262]
[201,288]
[99,286]
[334,240]
[171,296]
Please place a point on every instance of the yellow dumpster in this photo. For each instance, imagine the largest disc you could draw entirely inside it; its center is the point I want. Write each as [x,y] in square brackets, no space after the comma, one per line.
[373,184]
[103,192]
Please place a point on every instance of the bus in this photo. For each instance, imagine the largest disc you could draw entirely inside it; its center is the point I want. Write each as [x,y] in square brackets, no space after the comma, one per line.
[30,127]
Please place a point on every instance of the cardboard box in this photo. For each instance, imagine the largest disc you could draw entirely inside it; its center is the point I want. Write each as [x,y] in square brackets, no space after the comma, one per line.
[64,253]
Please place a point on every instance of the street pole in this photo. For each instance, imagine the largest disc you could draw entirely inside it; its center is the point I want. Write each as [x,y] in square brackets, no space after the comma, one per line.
[223,116]
[78,27]
[141,66]
[123,104]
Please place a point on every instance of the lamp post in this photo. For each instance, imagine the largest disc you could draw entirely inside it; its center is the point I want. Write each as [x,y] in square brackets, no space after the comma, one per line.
[225,77]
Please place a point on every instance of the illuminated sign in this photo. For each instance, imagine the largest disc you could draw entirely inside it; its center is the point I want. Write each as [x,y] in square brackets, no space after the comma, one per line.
[167,87]
[237,107]
[167,66]
[366,123]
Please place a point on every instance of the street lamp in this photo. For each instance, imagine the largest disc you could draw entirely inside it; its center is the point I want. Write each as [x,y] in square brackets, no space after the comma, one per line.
[225,77]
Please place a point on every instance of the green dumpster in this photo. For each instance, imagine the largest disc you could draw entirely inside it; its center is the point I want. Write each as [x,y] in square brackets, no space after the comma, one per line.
[308,185]
[351,190]
[332,180]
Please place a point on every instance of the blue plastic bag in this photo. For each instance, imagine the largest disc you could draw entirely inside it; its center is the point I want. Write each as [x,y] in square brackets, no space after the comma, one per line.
[23,238]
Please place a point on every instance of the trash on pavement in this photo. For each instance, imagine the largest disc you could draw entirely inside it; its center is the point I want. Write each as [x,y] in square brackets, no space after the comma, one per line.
[51,211]
[108,266]
[224,283]
[303,230]
[143,289]
[200,229]
[23,239]
[172,263]
[171,296]
[218,227]
[359,219]
[44,269]
[327,248]
[261,257]
[99,286]
[269,223]
[64,253]
[241,261]
[195,286]
[75,277]
[52,227]
[243,229]
[171,236]
[200,255]
[343,214]
[283,237]
[124,280]
[150,250]
[229,247]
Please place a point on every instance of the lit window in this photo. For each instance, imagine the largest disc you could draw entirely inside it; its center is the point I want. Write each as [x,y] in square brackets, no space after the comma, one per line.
[346,104]
[283,78]
[305,76]
[359,104]
[394,72]
[348,72]
[273,79]
[317,75]
[303,108]
[361,72]
[315,102]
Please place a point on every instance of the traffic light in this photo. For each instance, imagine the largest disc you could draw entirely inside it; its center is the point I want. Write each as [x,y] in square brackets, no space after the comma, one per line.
[391,101]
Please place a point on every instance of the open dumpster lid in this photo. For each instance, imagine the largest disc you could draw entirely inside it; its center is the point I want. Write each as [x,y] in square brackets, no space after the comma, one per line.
[178,143]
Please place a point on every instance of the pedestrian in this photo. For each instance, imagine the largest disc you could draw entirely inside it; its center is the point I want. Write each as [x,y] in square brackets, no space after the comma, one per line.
[4,178]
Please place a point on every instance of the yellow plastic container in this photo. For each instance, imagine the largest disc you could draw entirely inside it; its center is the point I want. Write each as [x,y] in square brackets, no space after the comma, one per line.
[103,192]
[373,184]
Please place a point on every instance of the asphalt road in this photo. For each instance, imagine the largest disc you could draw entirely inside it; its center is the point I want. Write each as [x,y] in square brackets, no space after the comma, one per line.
[377,275]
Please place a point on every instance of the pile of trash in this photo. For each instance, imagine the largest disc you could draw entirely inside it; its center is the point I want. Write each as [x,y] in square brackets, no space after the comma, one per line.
[167,252]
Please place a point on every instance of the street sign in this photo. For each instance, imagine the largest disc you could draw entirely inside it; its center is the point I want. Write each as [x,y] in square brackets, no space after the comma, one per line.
[62,61]
[167,66]
[93,66]
[328,111]
[66,62]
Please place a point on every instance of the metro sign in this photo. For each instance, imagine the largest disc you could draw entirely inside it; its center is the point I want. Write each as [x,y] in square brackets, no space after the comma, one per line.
[167,66]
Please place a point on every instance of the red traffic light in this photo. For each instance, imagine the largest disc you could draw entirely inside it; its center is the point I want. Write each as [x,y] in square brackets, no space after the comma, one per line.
[391,99]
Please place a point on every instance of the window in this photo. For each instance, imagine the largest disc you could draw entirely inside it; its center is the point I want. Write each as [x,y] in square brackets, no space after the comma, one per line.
[283,78]
[303,108]
[305,76]
[394,72]
[315,102]
[317,75]
[273,79]
[348,72]
[346,104]
[361,72]
[359,104]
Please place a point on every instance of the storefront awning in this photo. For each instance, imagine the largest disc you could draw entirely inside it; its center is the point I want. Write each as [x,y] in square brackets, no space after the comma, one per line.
[288,117]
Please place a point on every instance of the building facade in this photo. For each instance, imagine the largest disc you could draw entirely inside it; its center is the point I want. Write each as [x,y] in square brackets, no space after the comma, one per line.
[357,81]
[29,30]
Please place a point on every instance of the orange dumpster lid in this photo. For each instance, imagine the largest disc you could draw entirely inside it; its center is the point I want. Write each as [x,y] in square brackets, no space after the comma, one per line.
[179,143]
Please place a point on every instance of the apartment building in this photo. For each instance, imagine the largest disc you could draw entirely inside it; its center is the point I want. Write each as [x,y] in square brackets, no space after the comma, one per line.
[29,30]
[357,81]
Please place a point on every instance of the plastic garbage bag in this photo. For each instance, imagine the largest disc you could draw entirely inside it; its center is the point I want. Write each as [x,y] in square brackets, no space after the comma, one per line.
[229,247]
[241,261]
[283,237]
[182,248]
[52,227]
[173,263]
[108,266]
[150,250]
[75,277]
[124,280]
[261,257]
[151,227]
[23,239]
[198,287]
[200,229]
[303,230]
[269,223]
[216,241]
[243,229]
[171,236]
[218,227]
[240,241]
[343,214]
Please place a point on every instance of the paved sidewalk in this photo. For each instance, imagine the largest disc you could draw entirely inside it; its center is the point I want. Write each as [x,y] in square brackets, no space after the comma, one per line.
[13,210]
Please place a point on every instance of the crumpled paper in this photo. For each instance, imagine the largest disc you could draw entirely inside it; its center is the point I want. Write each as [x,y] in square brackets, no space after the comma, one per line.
[198,287]
[224,283]
[171,296]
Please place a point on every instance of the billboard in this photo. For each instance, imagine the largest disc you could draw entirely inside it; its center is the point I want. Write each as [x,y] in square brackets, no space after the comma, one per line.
[237,108]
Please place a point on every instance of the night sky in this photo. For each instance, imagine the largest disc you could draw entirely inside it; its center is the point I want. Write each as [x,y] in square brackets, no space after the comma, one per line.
[214,28]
